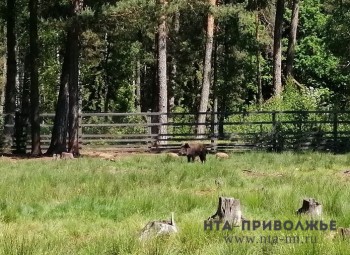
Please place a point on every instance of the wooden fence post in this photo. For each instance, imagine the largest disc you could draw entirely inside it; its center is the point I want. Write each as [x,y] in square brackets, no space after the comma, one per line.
[8,132]
[80,116]
[1,130]
[162,128]
[214,131]
[335,131]
[149,128]
[274,130]
[20,133]
[80,129]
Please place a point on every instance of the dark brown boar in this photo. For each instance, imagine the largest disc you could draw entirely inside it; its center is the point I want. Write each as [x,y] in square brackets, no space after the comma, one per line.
[194,150]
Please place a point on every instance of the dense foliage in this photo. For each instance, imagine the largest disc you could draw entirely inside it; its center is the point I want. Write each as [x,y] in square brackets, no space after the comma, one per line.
[118,51]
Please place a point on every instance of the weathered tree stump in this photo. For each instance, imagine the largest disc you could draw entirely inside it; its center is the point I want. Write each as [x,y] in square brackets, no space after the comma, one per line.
[157,228]
[229,210]
[311,207]
[344,232]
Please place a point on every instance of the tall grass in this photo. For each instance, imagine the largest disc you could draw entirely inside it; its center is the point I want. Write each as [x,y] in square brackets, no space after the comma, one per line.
[93,206]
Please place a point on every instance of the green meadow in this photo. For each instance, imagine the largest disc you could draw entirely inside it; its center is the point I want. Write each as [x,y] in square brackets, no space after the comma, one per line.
[95,206]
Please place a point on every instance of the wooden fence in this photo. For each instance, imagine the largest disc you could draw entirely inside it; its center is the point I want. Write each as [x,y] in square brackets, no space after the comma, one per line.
[261,130]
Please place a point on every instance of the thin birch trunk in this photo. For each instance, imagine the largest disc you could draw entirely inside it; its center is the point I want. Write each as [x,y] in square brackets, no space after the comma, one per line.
[277,49]
[292,38]
[206,73]
[162,76]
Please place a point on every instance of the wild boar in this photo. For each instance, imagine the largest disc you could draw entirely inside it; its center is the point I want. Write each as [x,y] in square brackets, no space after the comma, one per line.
[194,150]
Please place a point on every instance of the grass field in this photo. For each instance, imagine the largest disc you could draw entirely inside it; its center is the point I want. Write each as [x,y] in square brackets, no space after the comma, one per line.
[95,206]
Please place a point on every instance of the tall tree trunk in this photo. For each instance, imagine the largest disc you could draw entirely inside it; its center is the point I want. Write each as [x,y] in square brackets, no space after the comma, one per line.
[2,99]
[206,72]
[277,49]
[151,74]
[21,52]
[34,80]
[73,143]
[258,71]
[215,129]
[73,115]
[59,131]
[106,74]
[162,75]
[292,38]
[223,95]
[10,87]
[173,74]
[2,96]
[23,117]
[25,92]
[67,109]
[138,86]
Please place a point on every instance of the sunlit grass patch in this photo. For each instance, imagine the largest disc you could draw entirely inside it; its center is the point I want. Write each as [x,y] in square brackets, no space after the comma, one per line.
[95,206]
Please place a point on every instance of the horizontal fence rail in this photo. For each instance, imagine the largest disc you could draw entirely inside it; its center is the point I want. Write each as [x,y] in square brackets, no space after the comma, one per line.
[258,130]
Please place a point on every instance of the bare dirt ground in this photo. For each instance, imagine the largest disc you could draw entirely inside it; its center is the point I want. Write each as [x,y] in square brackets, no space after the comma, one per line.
[106,154]
[112,155]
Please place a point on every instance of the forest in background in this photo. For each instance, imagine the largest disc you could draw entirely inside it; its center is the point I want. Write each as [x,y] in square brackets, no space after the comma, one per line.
[169,56]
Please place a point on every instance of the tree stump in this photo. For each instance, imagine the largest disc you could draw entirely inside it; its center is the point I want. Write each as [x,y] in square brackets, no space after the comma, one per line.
[229,210]
[311,207]
[157,228]
[344,232]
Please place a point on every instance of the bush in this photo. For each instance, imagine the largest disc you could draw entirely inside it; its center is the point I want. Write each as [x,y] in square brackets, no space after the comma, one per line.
[289,119]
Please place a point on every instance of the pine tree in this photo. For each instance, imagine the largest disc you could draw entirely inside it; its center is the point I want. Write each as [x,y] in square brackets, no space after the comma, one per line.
[206,72]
